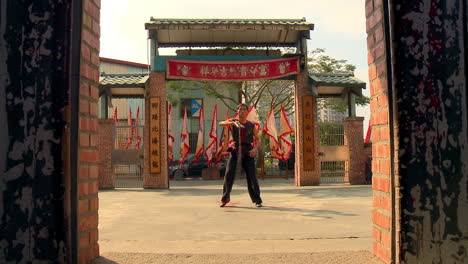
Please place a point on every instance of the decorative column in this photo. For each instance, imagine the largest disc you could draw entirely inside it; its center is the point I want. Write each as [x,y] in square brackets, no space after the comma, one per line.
[353,133]
[106,144]
[307,164]
[155,168]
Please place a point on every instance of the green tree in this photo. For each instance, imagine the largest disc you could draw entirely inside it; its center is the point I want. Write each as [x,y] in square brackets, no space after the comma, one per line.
[319,62]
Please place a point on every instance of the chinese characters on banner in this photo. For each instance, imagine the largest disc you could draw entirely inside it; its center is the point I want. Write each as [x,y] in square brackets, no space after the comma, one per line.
[308,123]
[155,158]
[232,70]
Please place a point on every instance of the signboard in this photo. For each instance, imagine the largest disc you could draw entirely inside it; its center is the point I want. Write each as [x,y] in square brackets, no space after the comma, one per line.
[232,70]
[195,107]
[155,139]
[308,132]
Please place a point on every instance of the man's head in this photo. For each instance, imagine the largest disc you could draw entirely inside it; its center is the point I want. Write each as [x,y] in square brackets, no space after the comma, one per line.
[242,110]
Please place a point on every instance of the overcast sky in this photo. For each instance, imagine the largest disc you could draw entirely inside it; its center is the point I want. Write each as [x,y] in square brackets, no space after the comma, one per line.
[340,25]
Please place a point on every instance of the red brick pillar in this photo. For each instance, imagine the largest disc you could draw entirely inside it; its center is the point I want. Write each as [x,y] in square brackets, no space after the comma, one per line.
[353,133]
[304,175]
[106,144]
[88,169]
[382,202]
[157,88]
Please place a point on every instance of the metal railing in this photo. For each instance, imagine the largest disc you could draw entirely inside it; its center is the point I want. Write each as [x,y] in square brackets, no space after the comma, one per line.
[332,172]
[128,176]
[128,137]
[331,134]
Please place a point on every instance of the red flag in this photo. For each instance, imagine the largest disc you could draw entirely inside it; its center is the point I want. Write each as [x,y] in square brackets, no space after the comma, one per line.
[284,135]
[137,128]
[115,114]
[130,129]
[200,140]
[170,136]
[225,141]
[213,140]
[252,116]
[270,131]
[368,134]
[184,139]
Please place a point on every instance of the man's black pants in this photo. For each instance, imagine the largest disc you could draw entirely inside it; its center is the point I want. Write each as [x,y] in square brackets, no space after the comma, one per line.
[248,164]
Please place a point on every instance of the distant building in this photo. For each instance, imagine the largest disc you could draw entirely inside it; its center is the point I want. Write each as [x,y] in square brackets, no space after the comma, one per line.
[327,114]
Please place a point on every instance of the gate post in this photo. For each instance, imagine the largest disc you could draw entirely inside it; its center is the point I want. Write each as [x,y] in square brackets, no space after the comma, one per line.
[307,165]
[156,89]
[106,144]
[354,139]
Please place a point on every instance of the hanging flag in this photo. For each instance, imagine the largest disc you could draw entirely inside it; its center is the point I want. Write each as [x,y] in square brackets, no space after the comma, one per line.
[252,116]
[213,138]
[369,132]
[137,128]
[170,136]
[225,141]
[130,129]
[284,135]
[201,135]
[270,131]
[115,114]
[184,139]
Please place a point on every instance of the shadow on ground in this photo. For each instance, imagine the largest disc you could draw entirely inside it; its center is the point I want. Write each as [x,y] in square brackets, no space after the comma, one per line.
[348,257]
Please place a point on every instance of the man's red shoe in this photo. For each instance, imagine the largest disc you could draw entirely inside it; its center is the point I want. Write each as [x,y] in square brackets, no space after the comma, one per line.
[223,204]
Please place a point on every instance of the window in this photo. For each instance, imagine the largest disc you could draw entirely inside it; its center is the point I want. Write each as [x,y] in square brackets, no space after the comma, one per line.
[193,139]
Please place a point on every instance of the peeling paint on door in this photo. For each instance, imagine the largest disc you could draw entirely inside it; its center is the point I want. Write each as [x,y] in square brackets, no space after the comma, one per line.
[430,83]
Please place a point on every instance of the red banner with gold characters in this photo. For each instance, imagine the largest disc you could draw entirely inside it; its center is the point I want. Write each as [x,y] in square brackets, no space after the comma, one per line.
[231,70]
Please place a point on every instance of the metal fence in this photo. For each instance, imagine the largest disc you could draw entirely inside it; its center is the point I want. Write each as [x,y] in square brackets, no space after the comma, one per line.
[332,172]
[128,137]
[127,156]
[331,134]
[269,167]
[128,176]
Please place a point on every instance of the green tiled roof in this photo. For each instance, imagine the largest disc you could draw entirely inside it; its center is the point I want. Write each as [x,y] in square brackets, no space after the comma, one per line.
[123,80]
[226,21]
[336,79]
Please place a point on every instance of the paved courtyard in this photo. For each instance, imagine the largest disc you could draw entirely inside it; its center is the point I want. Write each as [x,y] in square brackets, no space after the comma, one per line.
[186,219]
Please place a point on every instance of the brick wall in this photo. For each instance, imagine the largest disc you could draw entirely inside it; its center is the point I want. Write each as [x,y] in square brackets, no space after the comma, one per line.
[88,170]
[106,143]
[354,140]
[381,214]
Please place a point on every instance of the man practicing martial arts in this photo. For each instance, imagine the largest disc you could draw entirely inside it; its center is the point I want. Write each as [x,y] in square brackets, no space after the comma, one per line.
[244,132]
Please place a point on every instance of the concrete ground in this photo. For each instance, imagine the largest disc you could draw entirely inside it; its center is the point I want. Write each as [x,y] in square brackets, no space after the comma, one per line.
[314,224]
